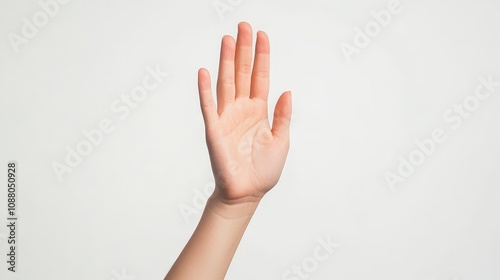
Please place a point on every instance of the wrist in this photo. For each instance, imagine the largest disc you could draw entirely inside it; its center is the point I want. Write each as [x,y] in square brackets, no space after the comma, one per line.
[242,208]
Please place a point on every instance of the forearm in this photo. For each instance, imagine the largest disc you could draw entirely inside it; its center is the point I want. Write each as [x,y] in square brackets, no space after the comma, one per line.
[211,248]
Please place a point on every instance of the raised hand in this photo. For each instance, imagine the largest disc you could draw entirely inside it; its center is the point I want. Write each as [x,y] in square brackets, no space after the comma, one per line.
[246,154]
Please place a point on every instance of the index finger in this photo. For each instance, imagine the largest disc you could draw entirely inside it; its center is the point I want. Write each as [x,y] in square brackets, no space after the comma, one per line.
[260,74]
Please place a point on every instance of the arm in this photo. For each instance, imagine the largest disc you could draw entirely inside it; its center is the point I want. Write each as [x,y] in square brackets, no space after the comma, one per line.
[247,155]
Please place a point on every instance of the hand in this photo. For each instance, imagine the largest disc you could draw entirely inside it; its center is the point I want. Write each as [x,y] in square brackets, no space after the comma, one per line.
[246,155]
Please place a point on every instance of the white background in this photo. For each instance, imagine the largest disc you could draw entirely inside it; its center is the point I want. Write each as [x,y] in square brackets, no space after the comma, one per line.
[117,215]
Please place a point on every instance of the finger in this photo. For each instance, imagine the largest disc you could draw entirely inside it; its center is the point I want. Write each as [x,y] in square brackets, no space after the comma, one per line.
[282,116]
[207,104]
[243,60]
[260,74]
[225,81]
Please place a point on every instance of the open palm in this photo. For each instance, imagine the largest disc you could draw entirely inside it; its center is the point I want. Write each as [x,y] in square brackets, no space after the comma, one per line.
[246,154]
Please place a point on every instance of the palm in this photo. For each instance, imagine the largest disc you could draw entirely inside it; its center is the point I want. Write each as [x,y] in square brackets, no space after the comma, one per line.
[247,156]
[247,160]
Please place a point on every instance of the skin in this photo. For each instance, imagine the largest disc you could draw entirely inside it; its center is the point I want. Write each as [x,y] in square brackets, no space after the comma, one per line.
[246,154]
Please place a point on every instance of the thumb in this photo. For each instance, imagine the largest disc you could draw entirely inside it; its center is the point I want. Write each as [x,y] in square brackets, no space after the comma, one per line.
[282,116]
